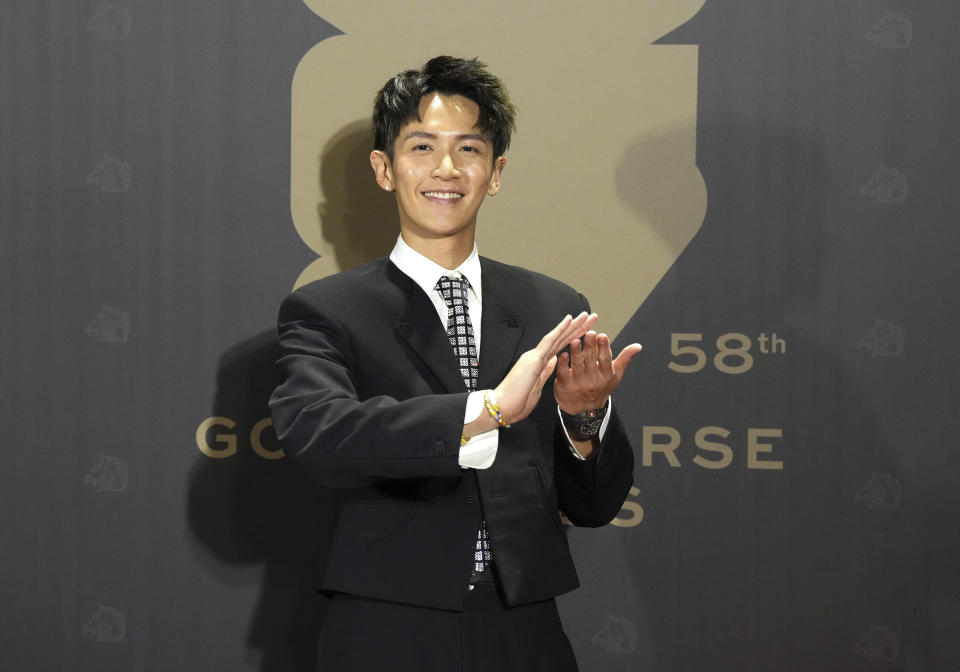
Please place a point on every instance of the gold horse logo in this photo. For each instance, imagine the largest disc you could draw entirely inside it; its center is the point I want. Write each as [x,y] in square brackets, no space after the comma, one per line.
[601,188]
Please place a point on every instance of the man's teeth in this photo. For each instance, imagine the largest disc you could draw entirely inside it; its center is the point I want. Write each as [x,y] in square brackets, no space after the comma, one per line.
[446,195]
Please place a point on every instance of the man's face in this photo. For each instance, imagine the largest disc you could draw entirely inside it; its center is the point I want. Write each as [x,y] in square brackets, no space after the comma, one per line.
[442,168]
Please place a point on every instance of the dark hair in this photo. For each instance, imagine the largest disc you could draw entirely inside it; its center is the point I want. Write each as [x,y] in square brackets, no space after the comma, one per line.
[398,102]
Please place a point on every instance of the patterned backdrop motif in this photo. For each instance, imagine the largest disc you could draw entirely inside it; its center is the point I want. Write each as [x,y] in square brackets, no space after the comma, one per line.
[778,181]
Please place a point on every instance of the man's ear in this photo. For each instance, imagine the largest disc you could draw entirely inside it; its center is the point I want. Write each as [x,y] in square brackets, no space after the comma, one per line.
[498,166]
[382,170]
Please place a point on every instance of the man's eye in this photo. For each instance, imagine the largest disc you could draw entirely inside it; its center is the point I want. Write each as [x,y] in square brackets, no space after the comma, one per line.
[421,148]
[469,148]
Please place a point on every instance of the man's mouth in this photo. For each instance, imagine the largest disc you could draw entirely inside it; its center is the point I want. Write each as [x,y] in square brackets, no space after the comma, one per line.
[443,195]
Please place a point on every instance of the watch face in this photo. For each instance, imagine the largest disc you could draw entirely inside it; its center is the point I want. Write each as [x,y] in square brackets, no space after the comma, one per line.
[585,424]
[590,426]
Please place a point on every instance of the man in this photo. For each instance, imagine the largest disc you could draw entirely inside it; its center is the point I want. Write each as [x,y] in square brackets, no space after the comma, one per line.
[413,385]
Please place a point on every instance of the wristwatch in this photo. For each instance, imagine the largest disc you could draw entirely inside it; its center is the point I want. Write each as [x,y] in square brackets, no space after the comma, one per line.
[584,425]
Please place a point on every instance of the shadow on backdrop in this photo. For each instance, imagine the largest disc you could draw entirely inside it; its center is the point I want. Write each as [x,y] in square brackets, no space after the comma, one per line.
[647,178]
[359,220]
[249,509]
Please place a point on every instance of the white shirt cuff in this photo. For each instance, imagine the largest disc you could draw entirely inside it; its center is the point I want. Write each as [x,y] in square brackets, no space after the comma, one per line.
[603,429]
[474,407]
[481,450]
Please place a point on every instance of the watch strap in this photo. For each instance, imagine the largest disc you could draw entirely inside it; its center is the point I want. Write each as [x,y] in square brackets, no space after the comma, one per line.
[585,425]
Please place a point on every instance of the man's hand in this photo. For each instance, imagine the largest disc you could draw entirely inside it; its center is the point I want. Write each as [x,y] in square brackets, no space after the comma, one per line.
[587,376]
[519,392]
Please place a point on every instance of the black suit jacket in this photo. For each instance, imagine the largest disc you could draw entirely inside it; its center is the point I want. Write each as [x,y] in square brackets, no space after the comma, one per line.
[371,402]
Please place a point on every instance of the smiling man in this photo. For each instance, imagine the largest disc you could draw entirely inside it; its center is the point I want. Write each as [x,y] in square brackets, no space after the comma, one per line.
[414,385]
[441,167]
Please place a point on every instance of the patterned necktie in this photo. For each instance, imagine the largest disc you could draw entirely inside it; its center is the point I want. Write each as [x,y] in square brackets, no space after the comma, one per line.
[459,327]
[460,332]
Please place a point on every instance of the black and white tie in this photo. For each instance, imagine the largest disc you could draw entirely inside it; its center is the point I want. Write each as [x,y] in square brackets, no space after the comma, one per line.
[459,327]
[460,331]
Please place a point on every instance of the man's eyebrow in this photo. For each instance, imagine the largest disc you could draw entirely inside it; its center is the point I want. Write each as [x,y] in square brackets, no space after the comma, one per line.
[433,136]
[420,134]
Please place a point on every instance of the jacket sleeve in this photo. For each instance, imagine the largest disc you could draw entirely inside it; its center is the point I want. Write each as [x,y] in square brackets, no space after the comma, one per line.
[344,440]
[592,491]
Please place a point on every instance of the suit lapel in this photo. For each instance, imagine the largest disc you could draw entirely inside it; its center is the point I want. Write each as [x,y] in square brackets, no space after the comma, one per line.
[419,327]
[501,330]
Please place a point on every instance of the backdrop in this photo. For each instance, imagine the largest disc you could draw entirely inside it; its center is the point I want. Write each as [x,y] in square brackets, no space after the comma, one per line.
[761,192]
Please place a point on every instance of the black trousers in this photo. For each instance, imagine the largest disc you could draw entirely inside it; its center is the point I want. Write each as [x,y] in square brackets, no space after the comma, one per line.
[364,635]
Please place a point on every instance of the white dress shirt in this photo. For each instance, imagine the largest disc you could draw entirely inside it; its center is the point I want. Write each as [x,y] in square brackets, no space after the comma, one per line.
[481,450]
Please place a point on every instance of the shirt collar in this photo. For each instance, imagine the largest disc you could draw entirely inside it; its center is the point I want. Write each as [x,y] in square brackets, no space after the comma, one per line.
[425,272]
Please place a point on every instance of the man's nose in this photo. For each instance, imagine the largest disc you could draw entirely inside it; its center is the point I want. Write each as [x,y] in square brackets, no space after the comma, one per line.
[447,167]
